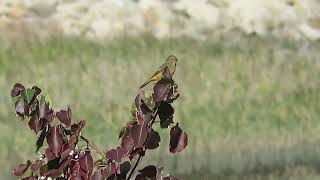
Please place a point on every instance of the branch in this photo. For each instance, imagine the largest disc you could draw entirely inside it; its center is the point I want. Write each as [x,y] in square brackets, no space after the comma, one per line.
[134,167]
[154,115]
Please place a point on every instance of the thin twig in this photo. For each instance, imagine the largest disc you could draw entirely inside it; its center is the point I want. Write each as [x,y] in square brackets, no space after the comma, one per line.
[94,148]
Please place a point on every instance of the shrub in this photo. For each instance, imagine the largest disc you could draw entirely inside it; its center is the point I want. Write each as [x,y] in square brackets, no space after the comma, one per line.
[70,155]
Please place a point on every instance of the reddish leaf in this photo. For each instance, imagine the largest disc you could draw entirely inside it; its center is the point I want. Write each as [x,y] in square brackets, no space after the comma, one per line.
[140,118]
[35,123]
[65,116]
[49,154]
[43,169]
[145,109]
[143,112]
[84,175]
[97,175]
[140,103]
[141,177]
[49,116]
[154,140]
[44,111]
[75,172]
[109,170]
[64,164]
[61,178]
[161,90]
[127,141]
[139,100]
[43,108]
[128,125]
[178,139]
[68,149]
[124,169]
[86,162]
[22,108]
[53,173]
[36,166]
[167,122]
[53,164]
[21,168]
[76,128]
[136,151]
[149,171]
[77,177]
[143,116]
[17,90]
[55,140]
[40,139]
[30,178]
[116,154]
[139,134]
[165,112]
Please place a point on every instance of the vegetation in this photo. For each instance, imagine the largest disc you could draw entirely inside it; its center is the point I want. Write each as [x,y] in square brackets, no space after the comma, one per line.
[251,106]
[65,158]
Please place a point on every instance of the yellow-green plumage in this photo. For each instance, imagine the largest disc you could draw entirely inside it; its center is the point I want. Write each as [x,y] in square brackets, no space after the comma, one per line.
[170,63]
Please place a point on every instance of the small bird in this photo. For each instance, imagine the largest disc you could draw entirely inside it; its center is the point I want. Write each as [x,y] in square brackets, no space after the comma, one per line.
[170,64]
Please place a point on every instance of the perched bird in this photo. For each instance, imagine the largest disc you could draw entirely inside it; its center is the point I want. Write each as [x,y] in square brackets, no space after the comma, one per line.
[170,64]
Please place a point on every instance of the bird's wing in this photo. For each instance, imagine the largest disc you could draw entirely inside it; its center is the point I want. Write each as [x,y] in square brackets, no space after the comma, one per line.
[156,76]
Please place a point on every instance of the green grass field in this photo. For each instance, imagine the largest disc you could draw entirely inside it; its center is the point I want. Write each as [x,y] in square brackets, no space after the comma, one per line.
[251,107]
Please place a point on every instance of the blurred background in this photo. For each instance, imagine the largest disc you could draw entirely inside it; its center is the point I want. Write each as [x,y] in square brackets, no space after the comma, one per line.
[248,75]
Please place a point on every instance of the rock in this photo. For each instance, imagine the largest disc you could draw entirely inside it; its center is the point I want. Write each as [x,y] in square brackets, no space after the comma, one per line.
[14,9]
[200,17]
[157,17]
[311,29]
[292,19]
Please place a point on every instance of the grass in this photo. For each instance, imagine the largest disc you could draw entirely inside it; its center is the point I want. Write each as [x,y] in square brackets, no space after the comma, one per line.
[251,106]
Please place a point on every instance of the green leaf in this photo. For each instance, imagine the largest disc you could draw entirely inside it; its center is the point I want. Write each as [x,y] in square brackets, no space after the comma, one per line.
[28,95]
[47,98]
[133,110]
[149,99]
[15,100]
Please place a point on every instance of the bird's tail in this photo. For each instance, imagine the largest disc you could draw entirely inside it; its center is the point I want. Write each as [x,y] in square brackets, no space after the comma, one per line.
[147,82]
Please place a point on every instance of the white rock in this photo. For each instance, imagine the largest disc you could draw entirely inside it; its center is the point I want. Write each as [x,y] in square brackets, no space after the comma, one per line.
[99,28]
[200,11]
[158,17]
[310,32]
[197,18]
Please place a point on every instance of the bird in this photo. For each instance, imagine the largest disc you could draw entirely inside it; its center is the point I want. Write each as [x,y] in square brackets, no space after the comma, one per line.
[170,64]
